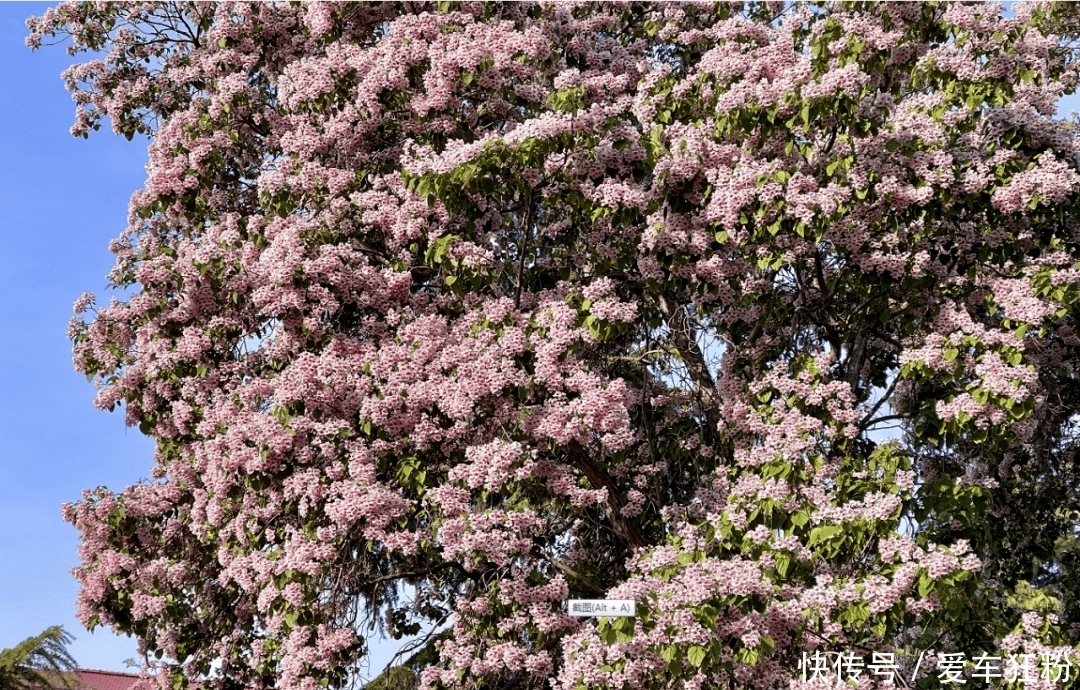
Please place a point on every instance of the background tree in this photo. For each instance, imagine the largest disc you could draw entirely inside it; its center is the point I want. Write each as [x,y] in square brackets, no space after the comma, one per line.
[38,663]
[442,313]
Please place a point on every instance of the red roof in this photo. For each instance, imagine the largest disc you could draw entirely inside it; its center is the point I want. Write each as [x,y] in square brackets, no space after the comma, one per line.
[91,679]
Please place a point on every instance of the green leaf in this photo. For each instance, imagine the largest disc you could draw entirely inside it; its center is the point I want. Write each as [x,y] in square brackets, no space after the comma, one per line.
[800,518]
[696,655]
[668,653]
[824,533]
[926,584]
[783,564]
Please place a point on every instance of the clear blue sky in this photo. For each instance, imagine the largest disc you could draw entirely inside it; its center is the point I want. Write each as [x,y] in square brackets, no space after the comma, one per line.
[61,200]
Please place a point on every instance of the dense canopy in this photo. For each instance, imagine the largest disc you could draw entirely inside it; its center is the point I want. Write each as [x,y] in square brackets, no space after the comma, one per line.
[763,315]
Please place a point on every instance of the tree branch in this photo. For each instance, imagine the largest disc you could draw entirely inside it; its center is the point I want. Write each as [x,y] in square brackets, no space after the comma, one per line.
[577,580]
[682,335]
[526,231]
[600,479]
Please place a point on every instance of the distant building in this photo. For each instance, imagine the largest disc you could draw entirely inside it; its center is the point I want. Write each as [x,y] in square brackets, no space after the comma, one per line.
[90,679]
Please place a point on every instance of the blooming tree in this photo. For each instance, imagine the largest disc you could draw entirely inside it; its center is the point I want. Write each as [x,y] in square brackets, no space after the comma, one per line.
[440,314]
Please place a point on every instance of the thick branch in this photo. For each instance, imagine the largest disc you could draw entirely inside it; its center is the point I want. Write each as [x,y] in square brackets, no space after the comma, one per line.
[682,335]
[854,365]
[575,579]
[600,479]
[524,247]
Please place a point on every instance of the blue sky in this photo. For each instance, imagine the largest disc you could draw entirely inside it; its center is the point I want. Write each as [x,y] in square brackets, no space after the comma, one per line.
[61,200]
